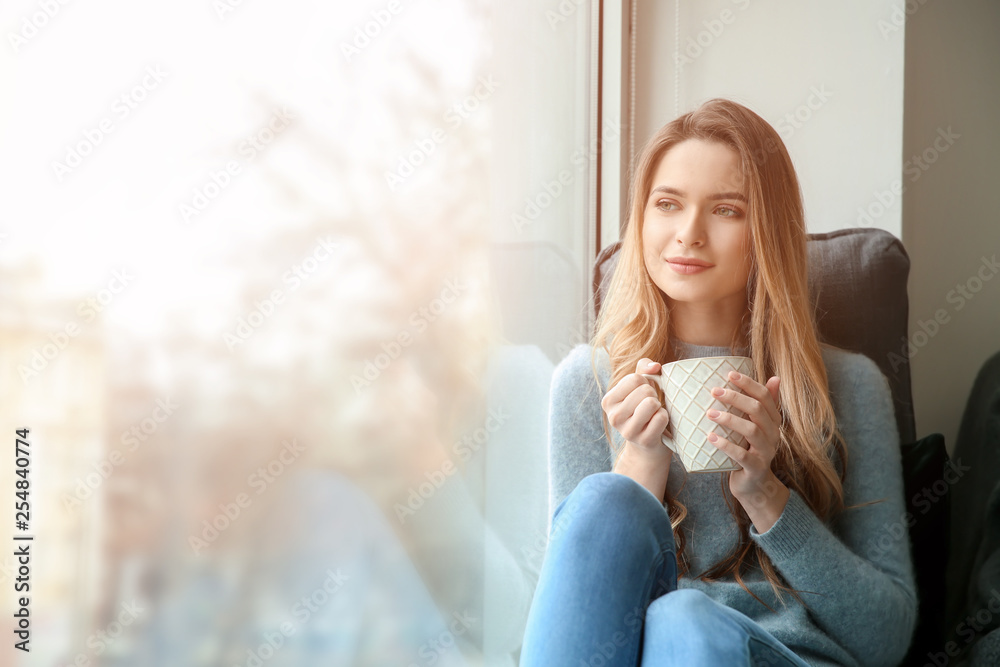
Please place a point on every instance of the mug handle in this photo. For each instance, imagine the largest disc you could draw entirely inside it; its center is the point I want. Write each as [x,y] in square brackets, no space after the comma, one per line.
[663,436]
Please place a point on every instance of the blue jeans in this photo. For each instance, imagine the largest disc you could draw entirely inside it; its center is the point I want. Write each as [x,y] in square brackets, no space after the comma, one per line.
[607,593]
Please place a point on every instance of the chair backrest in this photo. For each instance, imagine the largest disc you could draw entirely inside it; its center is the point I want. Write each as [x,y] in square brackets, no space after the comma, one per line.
[857,283]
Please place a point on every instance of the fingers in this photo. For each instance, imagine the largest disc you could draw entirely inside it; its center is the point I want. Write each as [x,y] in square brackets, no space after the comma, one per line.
[760,428]
[640,401]
[772,387]
[656,426]
[646,423]
[628,384]
[754,399]
[647,365]
[763,421]
[754,433]
[633,406]
[732,450]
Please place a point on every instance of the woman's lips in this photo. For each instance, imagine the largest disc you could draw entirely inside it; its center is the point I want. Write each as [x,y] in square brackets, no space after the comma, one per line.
[687,268]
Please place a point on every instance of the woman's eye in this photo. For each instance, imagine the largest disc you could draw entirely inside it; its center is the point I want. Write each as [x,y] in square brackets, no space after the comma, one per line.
[663,204]
[728,211]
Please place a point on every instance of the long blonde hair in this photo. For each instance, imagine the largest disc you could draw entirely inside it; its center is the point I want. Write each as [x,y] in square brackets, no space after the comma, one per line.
[635,321]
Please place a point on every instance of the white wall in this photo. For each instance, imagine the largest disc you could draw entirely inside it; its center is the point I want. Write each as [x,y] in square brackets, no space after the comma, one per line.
[778,58]
[868,148]
[950,208]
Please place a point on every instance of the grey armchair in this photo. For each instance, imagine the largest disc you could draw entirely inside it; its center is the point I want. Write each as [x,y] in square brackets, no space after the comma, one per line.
[857,284]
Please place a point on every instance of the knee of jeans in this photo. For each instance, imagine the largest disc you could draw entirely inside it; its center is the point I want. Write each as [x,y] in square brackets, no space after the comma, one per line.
[613,494]
[688,623]
[610,505]
[686,611]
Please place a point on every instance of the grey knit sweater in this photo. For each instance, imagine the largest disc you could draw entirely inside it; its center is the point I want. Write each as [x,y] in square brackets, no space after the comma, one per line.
[861,606]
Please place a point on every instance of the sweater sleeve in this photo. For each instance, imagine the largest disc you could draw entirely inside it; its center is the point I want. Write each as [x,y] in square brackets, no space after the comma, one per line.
[856,574]
[577,444]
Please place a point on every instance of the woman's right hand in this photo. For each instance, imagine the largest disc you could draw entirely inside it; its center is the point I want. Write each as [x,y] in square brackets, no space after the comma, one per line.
[635,411]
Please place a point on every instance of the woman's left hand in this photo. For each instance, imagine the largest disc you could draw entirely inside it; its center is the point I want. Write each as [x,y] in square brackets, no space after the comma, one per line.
[755,486]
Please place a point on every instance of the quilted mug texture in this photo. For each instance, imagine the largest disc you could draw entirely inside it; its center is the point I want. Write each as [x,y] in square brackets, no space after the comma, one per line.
[687,385]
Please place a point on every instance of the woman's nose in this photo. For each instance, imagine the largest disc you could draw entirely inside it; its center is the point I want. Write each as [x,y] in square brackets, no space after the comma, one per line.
[692,230]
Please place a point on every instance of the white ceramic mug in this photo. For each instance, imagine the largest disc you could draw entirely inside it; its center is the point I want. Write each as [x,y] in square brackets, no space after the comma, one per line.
[687,388]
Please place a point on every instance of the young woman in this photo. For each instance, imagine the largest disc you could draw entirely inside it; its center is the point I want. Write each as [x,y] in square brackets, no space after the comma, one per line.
[790,560]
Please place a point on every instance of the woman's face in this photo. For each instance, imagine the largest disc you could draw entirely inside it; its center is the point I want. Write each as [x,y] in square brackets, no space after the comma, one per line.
[696,209]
